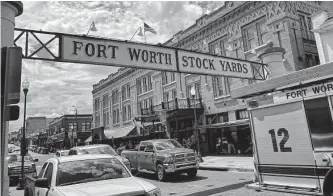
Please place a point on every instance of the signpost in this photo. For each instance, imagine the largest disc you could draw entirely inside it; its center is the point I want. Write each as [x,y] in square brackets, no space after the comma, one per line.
[102,51]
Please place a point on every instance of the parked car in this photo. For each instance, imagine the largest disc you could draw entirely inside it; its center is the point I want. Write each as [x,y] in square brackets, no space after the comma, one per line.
[61,153]
[163,157]
[43,150]
[98,149]
[14,167]
[86,174]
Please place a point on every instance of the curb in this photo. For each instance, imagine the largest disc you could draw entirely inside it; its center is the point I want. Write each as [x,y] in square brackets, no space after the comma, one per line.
[226,169]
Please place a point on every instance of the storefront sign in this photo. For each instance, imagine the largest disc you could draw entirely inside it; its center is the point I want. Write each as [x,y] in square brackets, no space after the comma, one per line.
[318,89]
[117,53]
[196,63]
[128,54]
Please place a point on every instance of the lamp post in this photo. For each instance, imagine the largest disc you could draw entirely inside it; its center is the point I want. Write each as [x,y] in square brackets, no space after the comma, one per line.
[72,128]
[77,124]
[20,186]
[192,92]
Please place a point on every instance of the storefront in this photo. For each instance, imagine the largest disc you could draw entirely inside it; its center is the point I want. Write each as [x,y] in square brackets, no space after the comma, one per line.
[228,137]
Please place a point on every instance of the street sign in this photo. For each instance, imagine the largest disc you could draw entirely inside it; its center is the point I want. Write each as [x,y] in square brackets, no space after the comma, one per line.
[117,53]
[192,62]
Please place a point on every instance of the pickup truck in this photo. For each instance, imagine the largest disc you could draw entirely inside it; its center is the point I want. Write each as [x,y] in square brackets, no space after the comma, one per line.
[14,167]
[162,157]
[87,175]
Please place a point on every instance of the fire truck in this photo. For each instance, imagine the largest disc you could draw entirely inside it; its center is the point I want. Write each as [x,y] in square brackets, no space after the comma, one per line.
[292,130]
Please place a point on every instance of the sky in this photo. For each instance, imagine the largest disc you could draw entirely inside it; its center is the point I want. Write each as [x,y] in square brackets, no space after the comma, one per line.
[55,87]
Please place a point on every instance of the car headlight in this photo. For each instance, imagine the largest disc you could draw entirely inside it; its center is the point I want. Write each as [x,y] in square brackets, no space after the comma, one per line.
[155,192]
[169,159]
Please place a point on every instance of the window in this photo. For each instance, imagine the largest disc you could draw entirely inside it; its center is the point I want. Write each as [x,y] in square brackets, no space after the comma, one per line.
[105,101]
[166,96]
[97,121]
[311,60]
[255,34]
[124,114]
[85,126]
[48,173]
[173,77]
[165,78]
[139,107]
[97,104]
[125,92]
[72,126]
[115,115]
[306,26]
[42,170]
[129,114]
[242,114]
[222,117]
[139,86]
[144,83]
[219,47]
[115,97]
[174,94]
[320,123]
[106,118]
[221,86]
[142,146]
[150,83]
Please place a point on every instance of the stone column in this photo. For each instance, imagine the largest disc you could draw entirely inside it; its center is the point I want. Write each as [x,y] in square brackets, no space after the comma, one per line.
[9,10]
[273,57]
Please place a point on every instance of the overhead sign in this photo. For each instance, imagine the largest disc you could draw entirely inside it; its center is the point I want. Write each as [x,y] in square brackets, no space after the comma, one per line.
[99,51]
[318,89]
[117,53]
[192,62]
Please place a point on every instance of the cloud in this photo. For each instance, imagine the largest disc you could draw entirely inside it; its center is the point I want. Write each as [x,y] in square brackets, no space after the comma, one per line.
[57,86]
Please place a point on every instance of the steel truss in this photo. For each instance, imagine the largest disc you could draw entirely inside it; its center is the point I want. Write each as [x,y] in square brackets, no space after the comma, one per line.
[53,52]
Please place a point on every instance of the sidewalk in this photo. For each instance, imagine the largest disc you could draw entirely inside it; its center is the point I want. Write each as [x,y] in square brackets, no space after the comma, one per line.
[240,164]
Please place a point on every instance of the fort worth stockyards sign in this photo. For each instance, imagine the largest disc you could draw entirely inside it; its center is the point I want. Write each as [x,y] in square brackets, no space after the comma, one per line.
[129,54]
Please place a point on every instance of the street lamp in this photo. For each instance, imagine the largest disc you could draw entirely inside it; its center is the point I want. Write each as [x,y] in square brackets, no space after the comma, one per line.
[73,108]
[25,86]
[192,92]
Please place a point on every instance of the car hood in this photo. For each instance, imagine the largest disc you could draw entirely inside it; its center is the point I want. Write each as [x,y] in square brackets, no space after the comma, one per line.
[176,151]
[121,187]
[18,164]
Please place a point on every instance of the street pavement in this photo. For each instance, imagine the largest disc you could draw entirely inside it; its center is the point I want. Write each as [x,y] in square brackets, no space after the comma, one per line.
[244,164]
[207,182]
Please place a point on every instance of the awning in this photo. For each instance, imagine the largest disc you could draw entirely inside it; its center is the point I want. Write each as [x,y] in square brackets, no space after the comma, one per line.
[88,140]
[118,133]
[227,124]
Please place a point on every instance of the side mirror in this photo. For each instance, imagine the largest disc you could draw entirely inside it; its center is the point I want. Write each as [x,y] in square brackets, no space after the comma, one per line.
[42,183]
[36,160]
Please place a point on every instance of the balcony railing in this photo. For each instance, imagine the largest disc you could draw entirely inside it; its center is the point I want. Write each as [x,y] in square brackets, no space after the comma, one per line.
[183,103]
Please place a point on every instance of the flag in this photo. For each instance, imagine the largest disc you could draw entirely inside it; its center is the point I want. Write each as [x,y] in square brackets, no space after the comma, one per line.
[93,27]
[148,28]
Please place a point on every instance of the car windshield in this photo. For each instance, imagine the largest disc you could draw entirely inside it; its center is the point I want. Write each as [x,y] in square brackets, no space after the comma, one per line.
[100,150]
[18,158]
[169,144]
[83,171]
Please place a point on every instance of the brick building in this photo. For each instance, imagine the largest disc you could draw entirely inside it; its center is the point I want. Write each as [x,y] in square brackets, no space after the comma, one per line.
[66,130]
[239,30]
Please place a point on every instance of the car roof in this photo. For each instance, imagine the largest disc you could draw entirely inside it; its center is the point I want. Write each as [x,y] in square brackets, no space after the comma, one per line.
[157,140]
[80,157]
[89,146]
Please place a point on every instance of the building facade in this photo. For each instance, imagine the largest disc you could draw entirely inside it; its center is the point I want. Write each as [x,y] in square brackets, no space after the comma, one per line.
[68,130]
[35,126]
[238,30]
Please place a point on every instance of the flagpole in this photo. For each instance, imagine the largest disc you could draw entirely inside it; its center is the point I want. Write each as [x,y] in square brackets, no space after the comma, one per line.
[134,33]
[89,28]
[144,32]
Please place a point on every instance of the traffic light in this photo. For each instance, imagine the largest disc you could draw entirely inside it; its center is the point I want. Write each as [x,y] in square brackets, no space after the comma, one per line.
[11,68]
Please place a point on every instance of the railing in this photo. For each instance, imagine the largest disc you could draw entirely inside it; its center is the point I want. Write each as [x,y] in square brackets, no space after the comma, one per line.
[183,103]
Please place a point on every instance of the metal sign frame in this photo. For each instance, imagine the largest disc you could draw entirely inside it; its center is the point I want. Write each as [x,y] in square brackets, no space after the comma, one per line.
[259,70]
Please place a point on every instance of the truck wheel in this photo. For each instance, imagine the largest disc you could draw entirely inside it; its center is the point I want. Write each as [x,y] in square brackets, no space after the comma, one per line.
[192,173]
[160,174]
[328,184]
